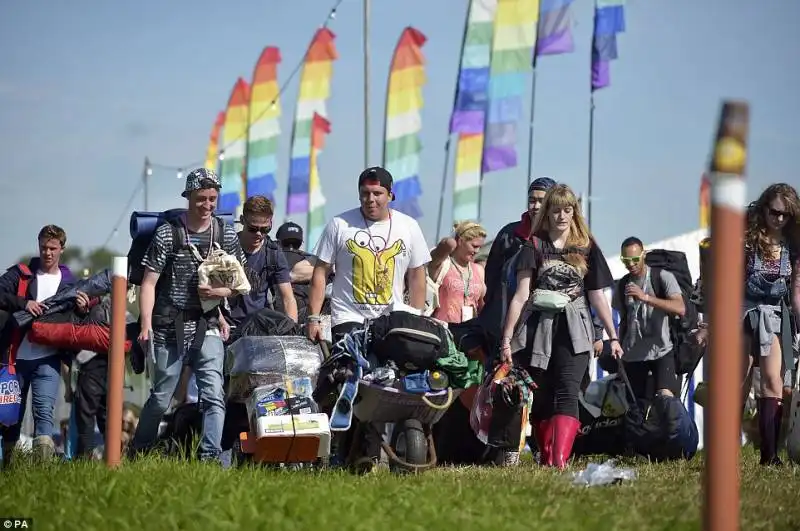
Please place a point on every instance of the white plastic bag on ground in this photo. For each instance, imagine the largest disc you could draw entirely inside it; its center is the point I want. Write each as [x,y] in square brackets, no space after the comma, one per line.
[595,474]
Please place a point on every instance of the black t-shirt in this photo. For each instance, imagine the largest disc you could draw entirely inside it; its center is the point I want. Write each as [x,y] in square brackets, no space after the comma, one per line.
[553,273]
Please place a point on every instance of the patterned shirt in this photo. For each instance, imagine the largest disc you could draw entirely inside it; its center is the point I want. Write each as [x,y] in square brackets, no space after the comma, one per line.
[181,269]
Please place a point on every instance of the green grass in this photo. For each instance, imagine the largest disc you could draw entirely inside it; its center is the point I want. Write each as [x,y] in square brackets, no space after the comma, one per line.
[153,494]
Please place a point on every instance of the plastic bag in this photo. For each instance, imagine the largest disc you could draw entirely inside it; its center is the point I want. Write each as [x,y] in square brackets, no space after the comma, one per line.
[221,270]
[256,361]
[595,474]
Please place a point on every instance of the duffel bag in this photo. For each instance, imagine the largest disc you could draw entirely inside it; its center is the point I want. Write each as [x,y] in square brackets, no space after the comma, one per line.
[413,342]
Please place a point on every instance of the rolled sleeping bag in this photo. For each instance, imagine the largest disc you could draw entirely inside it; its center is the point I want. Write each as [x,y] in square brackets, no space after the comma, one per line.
[143,224]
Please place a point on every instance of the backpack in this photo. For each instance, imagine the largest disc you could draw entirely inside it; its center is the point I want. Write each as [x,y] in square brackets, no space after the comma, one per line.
[675,262]
[144,225]
[10,392]
[432,289]
[412,341]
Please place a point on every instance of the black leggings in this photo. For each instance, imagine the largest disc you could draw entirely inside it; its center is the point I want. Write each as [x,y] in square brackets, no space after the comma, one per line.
[559,384]
[664,376]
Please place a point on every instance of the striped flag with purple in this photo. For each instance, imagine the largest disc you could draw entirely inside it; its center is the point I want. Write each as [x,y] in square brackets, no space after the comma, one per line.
[555,28]
[609,20]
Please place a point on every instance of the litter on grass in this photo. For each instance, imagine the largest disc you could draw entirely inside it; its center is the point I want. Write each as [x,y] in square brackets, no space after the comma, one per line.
[606,474]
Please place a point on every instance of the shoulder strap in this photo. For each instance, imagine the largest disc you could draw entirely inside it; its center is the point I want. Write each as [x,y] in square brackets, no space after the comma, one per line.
[443,269]
[219,234]
[177,235]
[658,284]
[16,333]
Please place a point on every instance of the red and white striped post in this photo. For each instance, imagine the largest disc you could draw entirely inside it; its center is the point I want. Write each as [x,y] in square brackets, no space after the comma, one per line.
[723,424]
[116,362]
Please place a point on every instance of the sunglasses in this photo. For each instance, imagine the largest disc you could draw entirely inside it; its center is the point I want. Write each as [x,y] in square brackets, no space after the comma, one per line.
[262,230]
[631,260]
[777,213]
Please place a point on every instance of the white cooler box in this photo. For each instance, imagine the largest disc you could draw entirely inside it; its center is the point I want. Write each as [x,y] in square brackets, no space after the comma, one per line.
[301,438]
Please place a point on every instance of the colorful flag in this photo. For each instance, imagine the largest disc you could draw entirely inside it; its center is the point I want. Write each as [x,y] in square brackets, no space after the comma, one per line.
[469,111]
[404,101]
[315,88]
[515,29]
[320,128]
[234,138]
[265,127]
[212,153]
[609,20]
[554,36]
[705,202]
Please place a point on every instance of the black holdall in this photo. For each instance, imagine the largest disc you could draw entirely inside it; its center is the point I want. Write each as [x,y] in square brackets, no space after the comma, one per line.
[412,341]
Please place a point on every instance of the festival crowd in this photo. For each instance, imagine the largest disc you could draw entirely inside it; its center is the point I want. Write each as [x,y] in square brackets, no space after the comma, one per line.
[539,298]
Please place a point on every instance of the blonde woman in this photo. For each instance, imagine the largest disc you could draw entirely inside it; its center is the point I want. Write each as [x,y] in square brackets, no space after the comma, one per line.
[548,326]
[460,279]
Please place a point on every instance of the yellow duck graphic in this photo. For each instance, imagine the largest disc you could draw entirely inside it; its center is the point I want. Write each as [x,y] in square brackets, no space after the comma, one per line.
[373,268]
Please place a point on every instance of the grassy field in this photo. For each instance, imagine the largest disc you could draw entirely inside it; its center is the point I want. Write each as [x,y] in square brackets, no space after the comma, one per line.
[163,494]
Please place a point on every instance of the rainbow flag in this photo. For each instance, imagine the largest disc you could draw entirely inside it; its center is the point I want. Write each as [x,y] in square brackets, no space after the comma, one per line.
[555,28]
[320,128]
[212,153]
[515,29]
[705,202]
[315,87]
[234,138]
[609,20]
[404,101]
[265,127]
[469,109]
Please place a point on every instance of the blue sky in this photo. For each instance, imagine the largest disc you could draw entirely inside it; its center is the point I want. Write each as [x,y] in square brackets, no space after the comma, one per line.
[88,88]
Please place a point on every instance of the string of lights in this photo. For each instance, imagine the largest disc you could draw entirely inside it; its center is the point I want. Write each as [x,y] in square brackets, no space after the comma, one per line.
[179,169]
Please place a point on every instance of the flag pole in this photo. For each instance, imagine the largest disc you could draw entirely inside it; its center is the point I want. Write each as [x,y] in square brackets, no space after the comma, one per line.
[365,38]
[589,194]
[531,124]
[448,144]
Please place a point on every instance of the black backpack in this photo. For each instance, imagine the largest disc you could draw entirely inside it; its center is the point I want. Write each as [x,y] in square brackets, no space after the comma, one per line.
[675,262]
[142,237]
[413,342]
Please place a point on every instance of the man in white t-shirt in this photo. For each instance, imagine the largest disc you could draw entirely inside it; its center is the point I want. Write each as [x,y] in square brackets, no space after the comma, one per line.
[375,251]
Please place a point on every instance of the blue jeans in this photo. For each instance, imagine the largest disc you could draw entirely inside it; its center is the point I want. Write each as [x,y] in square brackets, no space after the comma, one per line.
[43,377]
[207,366]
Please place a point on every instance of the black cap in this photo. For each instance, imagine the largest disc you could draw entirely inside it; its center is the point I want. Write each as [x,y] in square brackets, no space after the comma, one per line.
[542,183]
[376,175]
[289,231]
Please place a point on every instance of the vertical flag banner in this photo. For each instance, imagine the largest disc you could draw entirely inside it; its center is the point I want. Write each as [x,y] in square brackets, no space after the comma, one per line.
[554,36]
[514,40]
[265,127]
[404,101]
[234,139]
[212,153]
[609,19]
[705,202]
[320,128]
[315,88]
[469,111]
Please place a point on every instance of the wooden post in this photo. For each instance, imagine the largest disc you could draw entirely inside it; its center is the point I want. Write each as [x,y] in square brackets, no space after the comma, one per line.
[116,362]
[723,424]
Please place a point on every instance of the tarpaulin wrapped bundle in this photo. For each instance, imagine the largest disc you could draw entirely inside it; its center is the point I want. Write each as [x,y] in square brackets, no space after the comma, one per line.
[96,285]
[256,361]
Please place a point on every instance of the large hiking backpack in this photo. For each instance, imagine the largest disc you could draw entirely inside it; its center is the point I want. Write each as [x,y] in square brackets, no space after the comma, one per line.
[143,226]
[413,342]
[675,262]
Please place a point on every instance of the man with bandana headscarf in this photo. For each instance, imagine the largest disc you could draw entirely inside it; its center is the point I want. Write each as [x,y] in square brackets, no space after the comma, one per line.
[505,245]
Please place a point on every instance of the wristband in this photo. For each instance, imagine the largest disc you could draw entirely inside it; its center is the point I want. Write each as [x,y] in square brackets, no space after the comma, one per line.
[614,339]
[314,319]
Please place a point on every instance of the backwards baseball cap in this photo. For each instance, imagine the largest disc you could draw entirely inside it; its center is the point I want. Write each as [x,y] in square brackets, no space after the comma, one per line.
[289,231]
[542,183]
[201,179]
[377,175]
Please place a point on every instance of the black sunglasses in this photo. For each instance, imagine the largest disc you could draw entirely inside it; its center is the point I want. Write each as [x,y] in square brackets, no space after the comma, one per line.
[777,213]
[262,230]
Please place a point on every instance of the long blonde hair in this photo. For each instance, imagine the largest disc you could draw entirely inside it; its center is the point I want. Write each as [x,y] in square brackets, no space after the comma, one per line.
[579,237]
